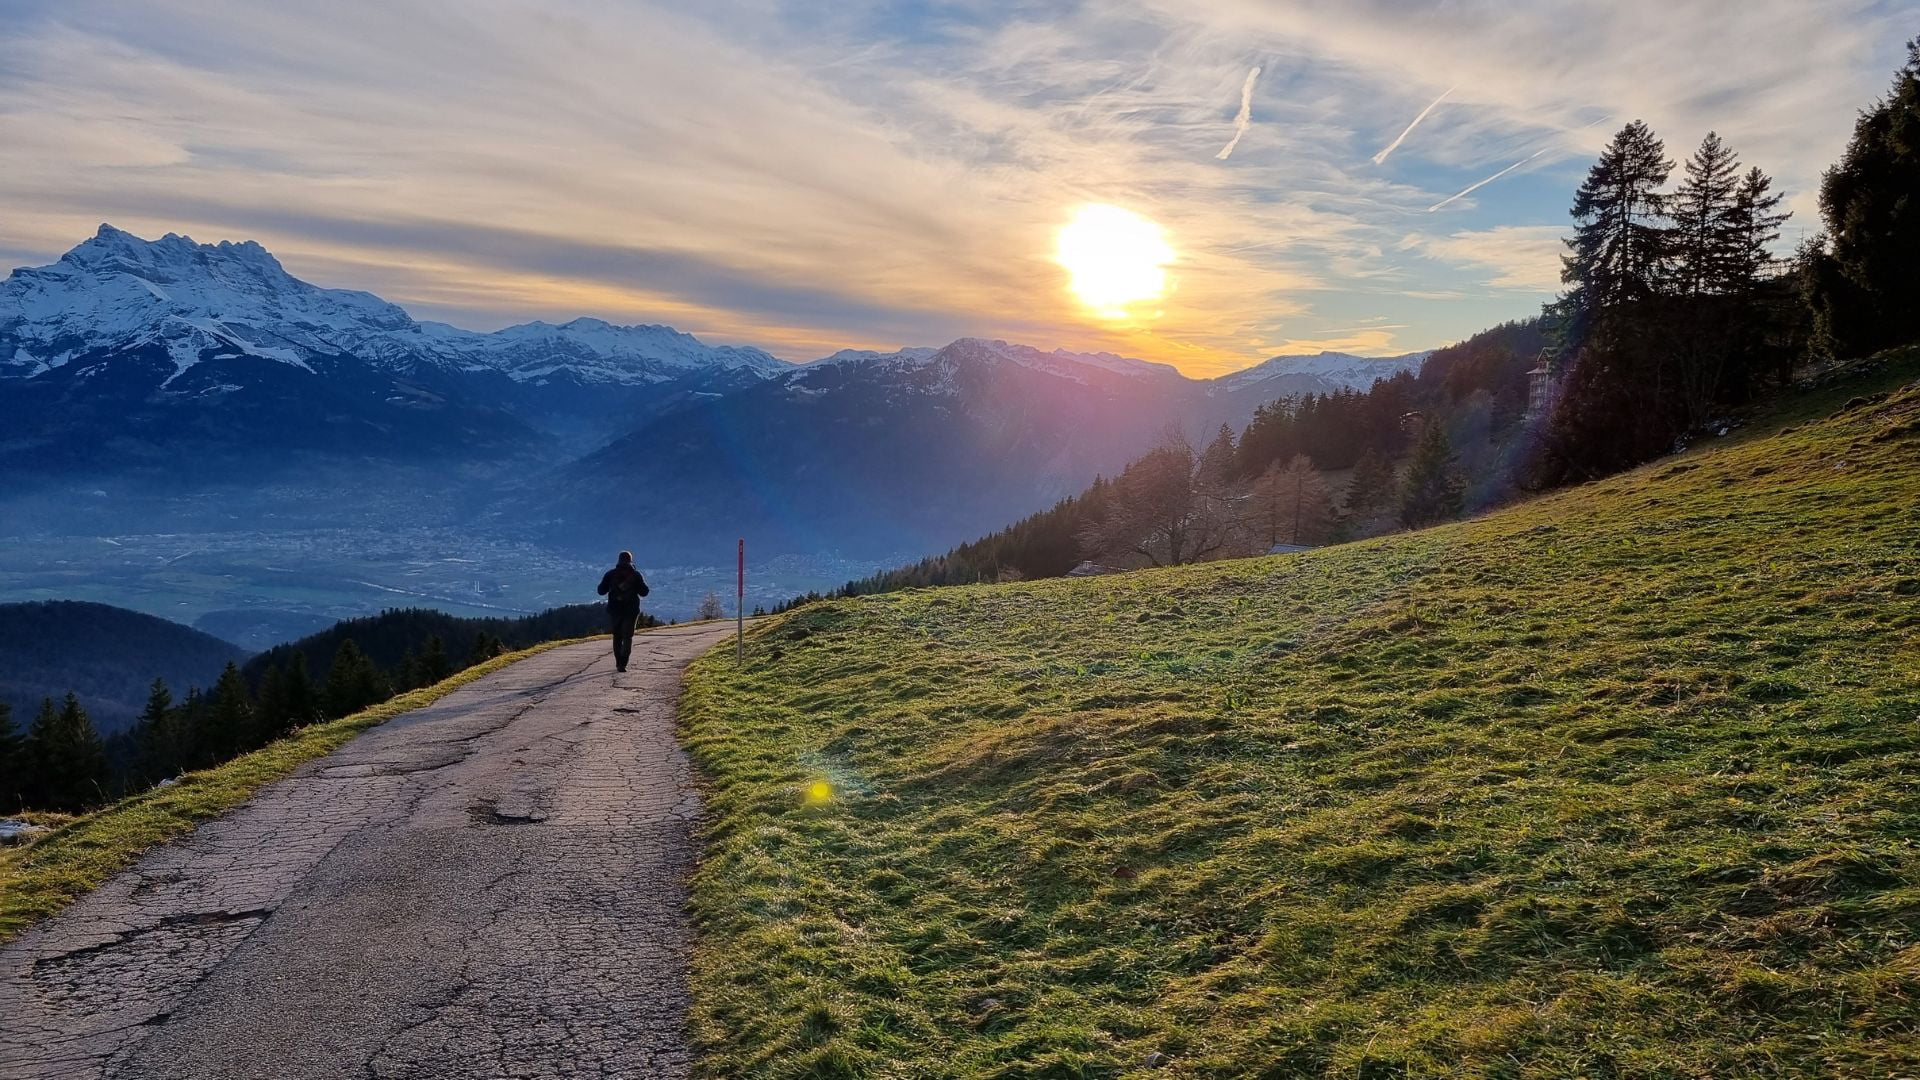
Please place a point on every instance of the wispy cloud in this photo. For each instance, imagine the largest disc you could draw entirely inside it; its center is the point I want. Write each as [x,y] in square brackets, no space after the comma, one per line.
[657,161]
[1522,257]
[1408,130]
[1243,121]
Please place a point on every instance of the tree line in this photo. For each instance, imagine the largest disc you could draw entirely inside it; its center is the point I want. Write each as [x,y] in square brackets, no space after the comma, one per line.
[1677,312]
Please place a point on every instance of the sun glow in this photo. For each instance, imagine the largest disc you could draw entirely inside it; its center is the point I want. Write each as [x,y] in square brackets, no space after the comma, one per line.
[1114,258]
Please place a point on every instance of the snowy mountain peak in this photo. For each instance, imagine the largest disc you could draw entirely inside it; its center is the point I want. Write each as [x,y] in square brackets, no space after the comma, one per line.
[117,293]
[1336,370]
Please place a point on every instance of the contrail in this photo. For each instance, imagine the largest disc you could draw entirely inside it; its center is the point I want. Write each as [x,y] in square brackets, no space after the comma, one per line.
[1471,188]
[1395,144]
[1245,120]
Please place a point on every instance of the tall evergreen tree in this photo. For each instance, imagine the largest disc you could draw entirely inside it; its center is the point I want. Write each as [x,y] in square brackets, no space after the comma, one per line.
[271,712]
[1702,207]
[1218,460]
[13,762]
[1867,294]
[1756,219]
[302,697]
[231,727]
[1435,490]
[1619,249]
[434,665]
[1371,488]
[68,758]
[158,752]
[353,682]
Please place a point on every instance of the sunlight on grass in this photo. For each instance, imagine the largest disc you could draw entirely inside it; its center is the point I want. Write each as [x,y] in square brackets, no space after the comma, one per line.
[1618,782]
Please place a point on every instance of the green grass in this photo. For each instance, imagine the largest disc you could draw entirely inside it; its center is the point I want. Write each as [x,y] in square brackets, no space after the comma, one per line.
[1624,781]
[41,878]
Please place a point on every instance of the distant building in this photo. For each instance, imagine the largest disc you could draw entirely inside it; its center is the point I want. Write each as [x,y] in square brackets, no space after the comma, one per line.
[1093,569]
[1540,385]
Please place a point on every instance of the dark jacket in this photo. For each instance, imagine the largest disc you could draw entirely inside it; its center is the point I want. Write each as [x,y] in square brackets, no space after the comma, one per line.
[623,587]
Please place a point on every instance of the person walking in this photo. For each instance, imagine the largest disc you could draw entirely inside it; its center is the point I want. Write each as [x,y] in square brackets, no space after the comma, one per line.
[623,587]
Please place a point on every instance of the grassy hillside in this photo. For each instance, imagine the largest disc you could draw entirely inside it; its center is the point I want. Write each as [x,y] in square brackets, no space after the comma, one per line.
[1622,782]
[107,655]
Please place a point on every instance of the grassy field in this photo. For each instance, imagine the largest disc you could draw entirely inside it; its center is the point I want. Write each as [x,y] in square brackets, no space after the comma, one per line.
[41,878]
[1621,782]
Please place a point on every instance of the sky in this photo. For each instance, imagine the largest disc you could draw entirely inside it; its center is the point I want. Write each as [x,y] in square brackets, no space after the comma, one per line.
[809,176]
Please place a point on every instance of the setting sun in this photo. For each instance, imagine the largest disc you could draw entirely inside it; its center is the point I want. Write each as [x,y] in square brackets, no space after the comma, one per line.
[1113,258]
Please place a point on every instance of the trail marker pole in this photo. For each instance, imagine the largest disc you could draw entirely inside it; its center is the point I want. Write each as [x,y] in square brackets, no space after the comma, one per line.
[740,609]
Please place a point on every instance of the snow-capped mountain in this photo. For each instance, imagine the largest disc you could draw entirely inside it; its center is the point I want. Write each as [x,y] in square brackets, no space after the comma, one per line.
[169,351]
[1325,372]
[119,293]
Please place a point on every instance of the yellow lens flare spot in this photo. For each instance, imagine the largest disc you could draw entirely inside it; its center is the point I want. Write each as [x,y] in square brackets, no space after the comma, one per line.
[819,792]
[1114,258]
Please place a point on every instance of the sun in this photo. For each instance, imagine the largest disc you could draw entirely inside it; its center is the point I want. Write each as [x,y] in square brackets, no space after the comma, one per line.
[1114,258]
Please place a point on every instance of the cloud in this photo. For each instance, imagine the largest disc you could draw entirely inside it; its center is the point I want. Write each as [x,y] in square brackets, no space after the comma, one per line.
[1245,120]
[1523,257]
[1381,157]
[807,176]
[1368,342]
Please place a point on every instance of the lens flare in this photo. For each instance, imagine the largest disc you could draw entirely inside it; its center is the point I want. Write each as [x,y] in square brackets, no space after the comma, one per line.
[819,792]
[1114,258]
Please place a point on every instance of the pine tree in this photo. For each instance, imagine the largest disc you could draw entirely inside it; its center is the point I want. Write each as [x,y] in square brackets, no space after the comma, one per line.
[67,756]
[1435,490]
[1865,292]
[353,682]
[1371,487]
[1619,249]
[272,715]
[1218,462]
[158,753]
[13,762]
[230,720]
[1755,222]
[485,648]
[434,665]
[302,698]
[1704,244]
[190,724]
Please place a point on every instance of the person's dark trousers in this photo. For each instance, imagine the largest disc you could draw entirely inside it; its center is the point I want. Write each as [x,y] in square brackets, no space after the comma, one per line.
[623,637]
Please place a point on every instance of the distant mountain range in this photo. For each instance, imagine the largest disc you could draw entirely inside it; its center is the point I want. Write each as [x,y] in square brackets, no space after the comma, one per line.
[187,366]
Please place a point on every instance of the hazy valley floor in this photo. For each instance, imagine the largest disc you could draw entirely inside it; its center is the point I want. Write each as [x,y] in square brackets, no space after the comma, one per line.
[492,885]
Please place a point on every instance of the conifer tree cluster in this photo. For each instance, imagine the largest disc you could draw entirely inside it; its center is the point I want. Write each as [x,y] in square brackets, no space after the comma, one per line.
[1668,316]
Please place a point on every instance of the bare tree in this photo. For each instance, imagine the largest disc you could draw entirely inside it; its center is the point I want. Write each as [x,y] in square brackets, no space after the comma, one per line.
[710,607]
[1291,503]
[1161,510]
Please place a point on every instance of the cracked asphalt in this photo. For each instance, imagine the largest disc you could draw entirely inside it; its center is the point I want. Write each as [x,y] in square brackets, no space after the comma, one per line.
[491,886]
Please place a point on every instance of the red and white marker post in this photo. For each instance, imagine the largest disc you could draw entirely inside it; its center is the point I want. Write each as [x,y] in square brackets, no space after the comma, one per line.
[740,609]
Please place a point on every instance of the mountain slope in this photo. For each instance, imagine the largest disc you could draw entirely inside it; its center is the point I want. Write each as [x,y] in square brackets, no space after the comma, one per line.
[108,656]
[1616,782]
[873,455]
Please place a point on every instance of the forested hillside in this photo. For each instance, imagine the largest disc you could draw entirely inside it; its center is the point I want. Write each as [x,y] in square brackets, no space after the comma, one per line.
[106,655]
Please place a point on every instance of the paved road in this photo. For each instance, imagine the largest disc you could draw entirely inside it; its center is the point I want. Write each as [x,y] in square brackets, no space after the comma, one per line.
[492,886]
